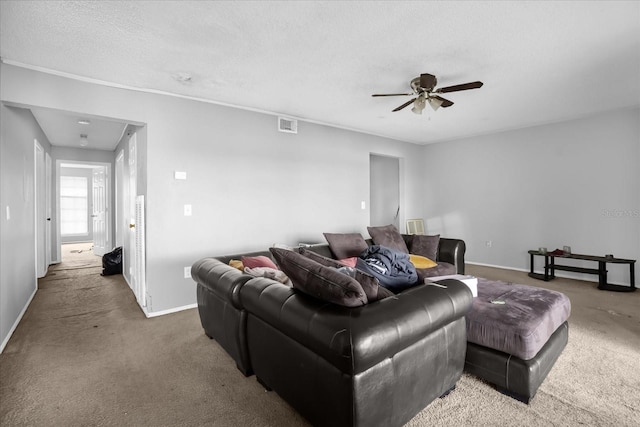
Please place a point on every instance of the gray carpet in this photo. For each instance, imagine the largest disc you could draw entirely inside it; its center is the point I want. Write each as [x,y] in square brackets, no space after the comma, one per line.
[85,355]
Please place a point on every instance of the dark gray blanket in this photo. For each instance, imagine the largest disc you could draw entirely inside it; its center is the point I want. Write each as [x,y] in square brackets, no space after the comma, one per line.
[391,267]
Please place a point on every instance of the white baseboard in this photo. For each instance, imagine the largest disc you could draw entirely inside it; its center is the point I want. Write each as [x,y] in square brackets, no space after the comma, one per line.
[15,324]
[169,311]
[497,266]
[541,271]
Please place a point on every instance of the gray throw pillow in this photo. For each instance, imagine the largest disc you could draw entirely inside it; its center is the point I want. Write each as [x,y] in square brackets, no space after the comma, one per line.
[370,285]
[324,283]
[388,236]
[346,245]
[426,246]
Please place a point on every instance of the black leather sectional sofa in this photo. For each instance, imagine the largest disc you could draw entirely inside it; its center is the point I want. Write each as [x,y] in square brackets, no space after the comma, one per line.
[381,363]
[374,365]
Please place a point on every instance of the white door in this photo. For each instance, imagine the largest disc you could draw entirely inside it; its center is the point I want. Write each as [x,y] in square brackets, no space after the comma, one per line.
[40,210]
[120,194]
[140,286]
[128,253]
[48,231]
[384,190]
[99,211]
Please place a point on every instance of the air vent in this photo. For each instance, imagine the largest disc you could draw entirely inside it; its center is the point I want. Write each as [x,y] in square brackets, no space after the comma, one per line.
[287,125]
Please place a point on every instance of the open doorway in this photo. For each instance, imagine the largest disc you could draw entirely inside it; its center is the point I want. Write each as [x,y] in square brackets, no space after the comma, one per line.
[384,182]
[111,203]
[84,206]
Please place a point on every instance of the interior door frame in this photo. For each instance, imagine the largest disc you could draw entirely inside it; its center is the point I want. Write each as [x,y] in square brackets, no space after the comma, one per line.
[130,177]
[39,209]
[108,202]
[400,215]
[119,199]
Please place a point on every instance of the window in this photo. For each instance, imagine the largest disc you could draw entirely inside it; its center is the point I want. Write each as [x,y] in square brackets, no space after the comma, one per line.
[73,206]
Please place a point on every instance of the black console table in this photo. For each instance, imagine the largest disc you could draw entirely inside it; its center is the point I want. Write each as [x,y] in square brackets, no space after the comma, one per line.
[550,267]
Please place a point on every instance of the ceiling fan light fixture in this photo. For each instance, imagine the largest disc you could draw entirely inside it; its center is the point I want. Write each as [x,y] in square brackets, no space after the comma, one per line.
[435,103]
[419,104]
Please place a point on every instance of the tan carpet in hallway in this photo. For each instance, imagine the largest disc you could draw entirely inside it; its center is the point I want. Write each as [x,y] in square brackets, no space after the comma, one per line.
[85,355]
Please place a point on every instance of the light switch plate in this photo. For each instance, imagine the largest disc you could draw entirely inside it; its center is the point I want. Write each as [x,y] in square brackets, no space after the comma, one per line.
[187,272]
[187,210]
[363,205]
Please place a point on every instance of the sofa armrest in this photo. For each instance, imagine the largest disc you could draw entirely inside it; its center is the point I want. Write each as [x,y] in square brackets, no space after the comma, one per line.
[354,339]
[221,279]
[452,251]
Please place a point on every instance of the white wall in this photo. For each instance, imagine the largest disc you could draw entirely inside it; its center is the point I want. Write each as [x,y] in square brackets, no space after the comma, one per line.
[17,242]
[574,183]
[250,185]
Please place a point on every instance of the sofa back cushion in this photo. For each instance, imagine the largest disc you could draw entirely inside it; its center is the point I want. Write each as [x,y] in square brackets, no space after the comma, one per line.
[426,246]
[388,236]
[346,245]
[319,281]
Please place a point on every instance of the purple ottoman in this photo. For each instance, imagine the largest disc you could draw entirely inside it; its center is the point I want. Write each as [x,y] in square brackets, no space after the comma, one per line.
[515,333]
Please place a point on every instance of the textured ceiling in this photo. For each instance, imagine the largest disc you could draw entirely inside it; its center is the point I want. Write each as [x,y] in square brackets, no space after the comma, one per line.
[540,61]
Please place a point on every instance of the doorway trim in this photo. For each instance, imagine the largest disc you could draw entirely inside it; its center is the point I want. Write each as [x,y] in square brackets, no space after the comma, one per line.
[40,208]
[399,218]
[89,165]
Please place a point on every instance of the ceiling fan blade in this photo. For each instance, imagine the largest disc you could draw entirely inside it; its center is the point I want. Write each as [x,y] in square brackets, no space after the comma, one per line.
[427,81]
[464,86]
[391,94]
[445,102]
[403,105]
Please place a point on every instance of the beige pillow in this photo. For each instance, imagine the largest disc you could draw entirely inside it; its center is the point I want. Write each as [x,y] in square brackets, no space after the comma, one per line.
[236,263]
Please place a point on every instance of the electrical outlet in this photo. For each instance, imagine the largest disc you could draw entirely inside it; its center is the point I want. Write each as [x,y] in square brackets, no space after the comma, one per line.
[489,243]
[187,272]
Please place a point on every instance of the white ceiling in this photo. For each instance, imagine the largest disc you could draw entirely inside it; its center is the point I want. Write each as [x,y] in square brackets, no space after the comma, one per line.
[64,129]
[320,61]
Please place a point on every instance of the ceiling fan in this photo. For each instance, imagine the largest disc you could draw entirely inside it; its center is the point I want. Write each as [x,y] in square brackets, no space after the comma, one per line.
[424,91]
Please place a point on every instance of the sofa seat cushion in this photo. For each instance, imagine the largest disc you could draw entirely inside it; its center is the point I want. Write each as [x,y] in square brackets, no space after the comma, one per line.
[515,319]
[442,269]
[319,281]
